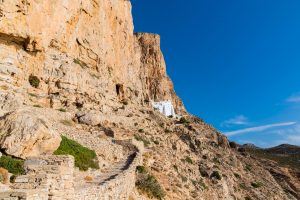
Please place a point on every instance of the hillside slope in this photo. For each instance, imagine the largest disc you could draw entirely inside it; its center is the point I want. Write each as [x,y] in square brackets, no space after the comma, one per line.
[75,68]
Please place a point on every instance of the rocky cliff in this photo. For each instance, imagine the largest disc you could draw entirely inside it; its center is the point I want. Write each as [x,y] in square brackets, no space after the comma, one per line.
[83,50]
[76,68]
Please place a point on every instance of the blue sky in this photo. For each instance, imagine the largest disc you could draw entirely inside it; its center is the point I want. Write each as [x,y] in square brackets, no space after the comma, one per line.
[234,63]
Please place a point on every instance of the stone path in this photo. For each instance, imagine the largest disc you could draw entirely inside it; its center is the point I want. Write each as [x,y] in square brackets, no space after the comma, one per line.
[108,174]
[115,170]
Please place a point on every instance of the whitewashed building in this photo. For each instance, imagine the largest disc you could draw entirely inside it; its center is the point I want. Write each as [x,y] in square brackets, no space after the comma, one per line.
[165,107]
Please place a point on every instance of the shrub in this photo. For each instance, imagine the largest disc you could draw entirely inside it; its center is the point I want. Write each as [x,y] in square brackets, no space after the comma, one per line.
[141,169]
[148,184]
[124,102]
[256,184]
[13,165]
[156,142]
[248,198]
[233,145]
[84,157]
[216,175]
[167,130]
[37,106]
[183,178]
[188,160]
[237,175]
[175,167]
[243,186]
[12,178]
[143,139]
[141,130]
[248,168]
[79,62]
[183,120]
[62,110]
[34,81]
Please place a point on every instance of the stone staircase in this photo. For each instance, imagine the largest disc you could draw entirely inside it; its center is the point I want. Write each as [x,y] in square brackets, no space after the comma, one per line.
[60,181]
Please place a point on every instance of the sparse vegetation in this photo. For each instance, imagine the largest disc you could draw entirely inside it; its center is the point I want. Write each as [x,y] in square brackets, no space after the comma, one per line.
[216,175]
[248,168]
[175,167]
[124,102]
[243,186]
[167,130]
[183,120]
[141,130]
[67,122]
[237,175]
[233,145]
[13,165]
[84,157]
[37,106]
[12,178]
[143,139]
[88,179]
[256,184]
[156,142]
[31,94]
[283,159]
[80,63]
[146,183]
[188,160]
[199,184]
[34,81]
[141,169]
[62,110]
[183,178]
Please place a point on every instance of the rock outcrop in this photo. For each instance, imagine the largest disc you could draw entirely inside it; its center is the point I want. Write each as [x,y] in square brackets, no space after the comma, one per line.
[84,53]
[24,133]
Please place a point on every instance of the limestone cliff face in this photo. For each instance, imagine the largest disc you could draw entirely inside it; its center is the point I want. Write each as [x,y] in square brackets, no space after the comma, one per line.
[84,52]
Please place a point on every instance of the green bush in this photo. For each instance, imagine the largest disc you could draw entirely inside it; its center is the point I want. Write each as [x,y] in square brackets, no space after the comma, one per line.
[183,120]
[188,160]
[12,178]
[141,169]
[248,198]
[84,157]
[13,165]
[62,110]
[256,184]
[148,184]
[216,175]
[34,81]
[141,130]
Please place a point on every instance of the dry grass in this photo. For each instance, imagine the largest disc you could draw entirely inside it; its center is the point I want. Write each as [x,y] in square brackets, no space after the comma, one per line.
[88,179]
[67,122]
[3,175]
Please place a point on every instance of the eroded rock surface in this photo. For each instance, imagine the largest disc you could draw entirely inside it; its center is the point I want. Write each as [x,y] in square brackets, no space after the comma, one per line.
[24,133]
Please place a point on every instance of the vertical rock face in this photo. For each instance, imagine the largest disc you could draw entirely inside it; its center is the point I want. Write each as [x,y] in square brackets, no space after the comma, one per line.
[157,85]
[84,52]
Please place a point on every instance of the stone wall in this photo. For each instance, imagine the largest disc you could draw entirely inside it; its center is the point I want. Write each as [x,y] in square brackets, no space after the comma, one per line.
[52,177]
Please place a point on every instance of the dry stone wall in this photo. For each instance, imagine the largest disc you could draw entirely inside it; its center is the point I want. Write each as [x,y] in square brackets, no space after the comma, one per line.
[52,177]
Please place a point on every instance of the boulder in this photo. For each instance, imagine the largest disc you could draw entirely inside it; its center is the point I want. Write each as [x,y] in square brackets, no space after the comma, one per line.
[92,118]
[25,133]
